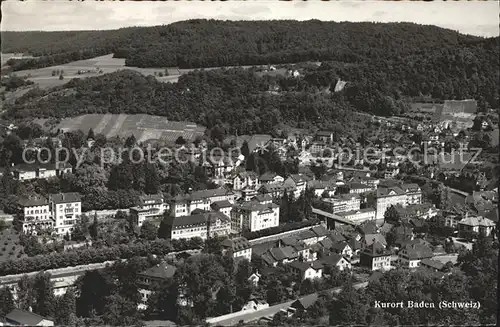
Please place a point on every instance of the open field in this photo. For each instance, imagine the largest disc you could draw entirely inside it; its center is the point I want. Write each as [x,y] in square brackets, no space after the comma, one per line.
[143,127]
[97,66]
[9,245]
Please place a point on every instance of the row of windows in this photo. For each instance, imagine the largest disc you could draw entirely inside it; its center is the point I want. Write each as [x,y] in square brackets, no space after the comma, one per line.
[31,212]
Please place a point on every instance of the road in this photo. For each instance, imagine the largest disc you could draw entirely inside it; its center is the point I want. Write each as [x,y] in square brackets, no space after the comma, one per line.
[271,311]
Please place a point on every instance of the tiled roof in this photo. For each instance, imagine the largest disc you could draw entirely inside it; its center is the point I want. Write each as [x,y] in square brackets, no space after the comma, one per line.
[237,244]
[303,266]
[340,246]
[262,198]
[266,177]
[389,191]
[320,231]
[23,317]
[332,259]
[162,270]
[477,221]
[255,206]
[65,197]
[376,250]
[33,201]
[198,219]
[368,227]
[369,239]
[432,263]
[418,251]
[221,204]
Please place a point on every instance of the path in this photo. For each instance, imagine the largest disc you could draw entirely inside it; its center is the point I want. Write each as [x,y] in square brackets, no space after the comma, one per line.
[271,311]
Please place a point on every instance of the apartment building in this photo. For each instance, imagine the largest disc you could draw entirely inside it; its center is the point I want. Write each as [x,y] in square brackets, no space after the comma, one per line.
[391,196]
[344,202]
[359,216]
[184,205]
[411,255]
[151,278]
[253,216]
[150,207]
[297,181]
[36,214]
[203,225]
[66,210]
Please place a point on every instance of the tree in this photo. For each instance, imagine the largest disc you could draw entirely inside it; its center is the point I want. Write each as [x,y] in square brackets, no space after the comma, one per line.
[392,216]
[149,231]
[6,301]
[25,293]
[152,181]
[245,150]
[349,309]
[45,300]
[66,309]
[120,311]
[180,141]
[91,134]
[93,289]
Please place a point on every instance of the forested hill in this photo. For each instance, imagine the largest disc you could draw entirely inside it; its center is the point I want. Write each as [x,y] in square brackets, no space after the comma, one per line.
[212,43]
[239,100]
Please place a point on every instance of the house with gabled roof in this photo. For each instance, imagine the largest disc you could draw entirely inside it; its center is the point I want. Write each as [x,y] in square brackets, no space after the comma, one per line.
[342,248]
[478,225]
[369,239]
[274,256]
[375,257]
[18,317]
[306,270]
[336,260]
[238,247]
[150,278]
[411,255]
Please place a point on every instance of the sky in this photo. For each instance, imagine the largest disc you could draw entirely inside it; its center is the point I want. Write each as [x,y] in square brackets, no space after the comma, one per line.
[472,17]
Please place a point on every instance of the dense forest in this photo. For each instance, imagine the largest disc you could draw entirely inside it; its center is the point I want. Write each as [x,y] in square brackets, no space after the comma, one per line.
[212,43]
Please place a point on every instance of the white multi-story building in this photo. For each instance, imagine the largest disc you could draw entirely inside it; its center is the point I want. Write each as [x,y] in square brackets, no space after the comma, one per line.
[25,172]
[66,210]
[298,182]
[151,207]
[36,214]
[411,255]
[246,179]
[201,225]
[359,216]
[344,202]
[238,248]
[253,216]
[184,205]
[391,196]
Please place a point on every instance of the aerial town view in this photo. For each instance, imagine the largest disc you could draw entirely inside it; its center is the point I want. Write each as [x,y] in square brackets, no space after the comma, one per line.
[257,163]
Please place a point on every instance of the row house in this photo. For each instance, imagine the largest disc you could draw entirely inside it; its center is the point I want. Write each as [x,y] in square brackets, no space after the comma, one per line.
[184,205]
[253,216]
[203,225]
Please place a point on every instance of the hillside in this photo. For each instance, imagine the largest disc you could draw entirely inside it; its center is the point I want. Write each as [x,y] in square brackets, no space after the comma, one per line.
[211,43]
